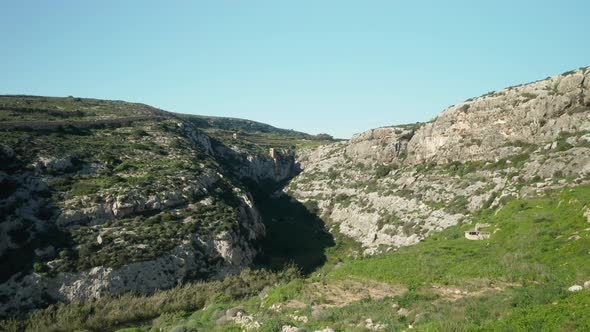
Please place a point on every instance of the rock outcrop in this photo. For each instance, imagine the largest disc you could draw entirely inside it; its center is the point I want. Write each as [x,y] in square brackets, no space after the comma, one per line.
[486,127]
[379,145]
[135,207]
[393,186]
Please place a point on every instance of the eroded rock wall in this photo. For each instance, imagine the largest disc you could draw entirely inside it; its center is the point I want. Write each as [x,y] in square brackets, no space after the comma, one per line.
[393,186]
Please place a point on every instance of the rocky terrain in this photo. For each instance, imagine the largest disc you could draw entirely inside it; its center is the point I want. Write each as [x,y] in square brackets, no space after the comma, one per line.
[91,208]
[394,186]
[139,200]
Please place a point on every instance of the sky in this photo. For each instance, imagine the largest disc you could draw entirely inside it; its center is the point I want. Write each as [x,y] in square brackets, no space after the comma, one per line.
[318,66]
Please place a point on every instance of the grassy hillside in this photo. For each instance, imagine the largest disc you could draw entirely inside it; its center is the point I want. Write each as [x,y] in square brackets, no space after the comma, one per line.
[35,108]
[515,281]
[234,124]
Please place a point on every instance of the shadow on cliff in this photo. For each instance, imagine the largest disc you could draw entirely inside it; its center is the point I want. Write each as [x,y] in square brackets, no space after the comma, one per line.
[295,235]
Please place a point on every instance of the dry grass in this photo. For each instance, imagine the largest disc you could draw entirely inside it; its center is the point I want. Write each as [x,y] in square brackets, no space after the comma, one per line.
[109,313]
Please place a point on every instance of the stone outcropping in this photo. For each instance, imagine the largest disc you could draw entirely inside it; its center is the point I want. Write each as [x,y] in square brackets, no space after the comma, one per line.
[225,253]
[484,128]
[393,186]
[379,145]
[96,210]
[124,224]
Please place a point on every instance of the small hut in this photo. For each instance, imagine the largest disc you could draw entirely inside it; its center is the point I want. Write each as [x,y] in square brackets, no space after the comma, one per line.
[476,234]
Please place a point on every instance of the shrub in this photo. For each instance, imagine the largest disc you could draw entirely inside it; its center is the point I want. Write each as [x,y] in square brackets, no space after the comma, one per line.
[457,205]
[112,312]
[84,188]
[39,267]
[529,96]
[60,184]
[342,199]
[140,132]
[562,145]
[124,166]
[383,170]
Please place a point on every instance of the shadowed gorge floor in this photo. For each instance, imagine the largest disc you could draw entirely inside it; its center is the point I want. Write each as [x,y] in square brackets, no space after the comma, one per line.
[294,233]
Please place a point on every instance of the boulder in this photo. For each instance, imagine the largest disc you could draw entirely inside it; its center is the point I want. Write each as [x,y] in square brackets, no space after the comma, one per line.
[290,328]
[54,164]
[575,288]
[403,312]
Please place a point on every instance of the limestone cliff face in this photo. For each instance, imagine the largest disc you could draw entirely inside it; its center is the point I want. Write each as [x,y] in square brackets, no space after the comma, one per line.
[225,253]
[393,186]
[276,165]
[483,128]
[379,145]
[155,204]
[195,255]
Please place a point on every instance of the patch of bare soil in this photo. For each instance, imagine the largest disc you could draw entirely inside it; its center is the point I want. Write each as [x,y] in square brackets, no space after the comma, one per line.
[454,293]
[340,293]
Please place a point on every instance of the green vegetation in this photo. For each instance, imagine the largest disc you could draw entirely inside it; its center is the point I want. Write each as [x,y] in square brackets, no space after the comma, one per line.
[460,169]
[519,275]
[343,199]
[528,96]
[457,205]
[152,158]
[579,109]
[382,171]
[260,142]
[525,249]
[390,219]
[520,144]
[516,280]
[411,126]
[37,109]
[110,313]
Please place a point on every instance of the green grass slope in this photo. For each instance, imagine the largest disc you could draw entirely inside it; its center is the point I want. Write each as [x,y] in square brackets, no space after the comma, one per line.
[515,281]
[15,108]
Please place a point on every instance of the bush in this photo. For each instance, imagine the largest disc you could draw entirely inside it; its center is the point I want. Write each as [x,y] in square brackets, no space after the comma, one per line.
[342,199]
[562,145]
[84,188]
[124,166]
[112,312]
[140,132]
[60,184]
[39,267]
[383,170]
[458,205]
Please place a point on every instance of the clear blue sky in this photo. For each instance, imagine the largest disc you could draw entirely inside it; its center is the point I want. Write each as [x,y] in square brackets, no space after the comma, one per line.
[339,67]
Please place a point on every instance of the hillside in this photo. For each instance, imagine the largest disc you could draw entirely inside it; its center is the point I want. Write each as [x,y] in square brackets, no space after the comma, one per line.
[107,197]
[376,226]
[234,124]
[395,186]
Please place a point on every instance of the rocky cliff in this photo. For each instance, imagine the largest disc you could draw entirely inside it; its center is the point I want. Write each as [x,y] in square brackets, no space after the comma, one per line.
[102,197]
[488,127]
[393,186]
[130,205]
